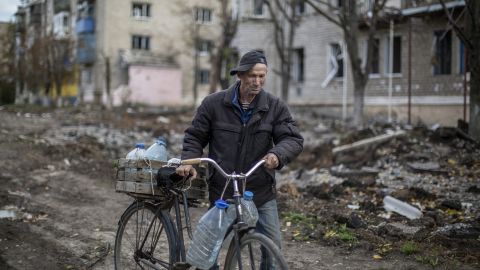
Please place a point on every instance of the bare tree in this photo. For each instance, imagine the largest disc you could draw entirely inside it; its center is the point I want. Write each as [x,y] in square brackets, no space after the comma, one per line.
[285,20]
[223,53]
[47,62]
[468,32]
[348,18]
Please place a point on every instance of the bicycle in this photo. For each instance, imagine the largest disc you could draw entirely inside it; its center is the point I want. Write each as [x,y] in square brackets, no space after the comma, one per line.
[158,241]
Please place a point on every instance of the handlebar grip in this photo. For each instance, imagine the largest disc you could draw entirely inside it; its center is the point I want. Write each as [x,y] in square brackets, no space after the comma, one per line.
[192,161]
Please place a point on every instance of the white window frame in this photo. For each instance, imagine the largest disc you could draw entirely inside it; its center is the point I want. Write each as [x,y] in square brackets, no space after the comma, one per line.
[200,13]
[204,47]
[144,42]
[143,12]
[296,65]
[203,76]
[386,63]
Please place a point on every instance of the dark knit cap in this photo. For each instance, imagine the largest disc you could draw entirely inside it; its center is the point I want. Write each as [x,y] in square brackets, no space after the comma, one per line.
[249,60]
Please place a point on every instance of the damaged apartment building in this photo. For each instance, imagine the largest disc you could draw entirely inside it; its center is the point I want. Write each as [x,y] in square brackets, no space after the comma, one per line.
[321,75]
[136,52]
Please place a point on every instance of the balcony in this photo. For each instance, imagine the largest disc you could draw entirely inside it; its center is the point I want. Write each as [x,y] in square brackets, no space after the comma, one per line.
[85,25]
[61,5]
[85,49]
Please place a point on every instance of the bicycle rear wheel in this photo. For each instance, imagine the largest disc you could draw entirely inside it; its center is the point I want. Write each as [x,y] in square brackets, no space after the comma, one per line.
[257,252]
[145,239]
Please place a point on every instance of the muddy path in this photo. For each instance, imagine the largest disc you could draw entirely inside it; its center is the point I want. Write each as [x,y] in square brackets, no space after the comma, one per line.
[59,208]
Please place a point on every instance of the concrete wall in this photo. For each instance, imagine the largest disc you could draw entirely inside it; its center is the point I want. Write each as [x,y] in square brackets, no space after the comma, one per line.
[436,98]
[155,86]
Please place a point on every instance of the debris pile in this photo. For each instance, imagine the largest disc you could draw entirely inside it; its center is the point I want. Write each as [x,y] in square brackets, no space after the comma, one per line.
[386,187]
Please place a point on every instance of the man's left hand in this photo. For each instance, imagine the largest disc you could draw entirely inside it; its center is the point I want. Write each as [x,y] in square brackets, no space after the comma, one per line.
[271,161]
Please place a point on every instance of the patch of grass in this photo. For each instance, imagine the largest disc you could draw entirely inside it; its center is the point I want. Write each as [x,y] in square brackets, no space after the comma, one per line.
[341,233]
[410,247]
[297,218]
[428,259]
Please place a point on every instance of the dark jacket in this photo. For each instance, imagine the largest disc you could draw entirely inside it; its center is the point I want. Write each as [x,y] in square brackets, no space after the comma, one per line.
[237,147]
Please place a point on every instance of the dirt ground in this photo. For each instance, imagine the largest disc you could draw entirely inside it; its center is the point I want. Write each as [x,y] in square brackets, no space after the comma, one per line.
[59,208]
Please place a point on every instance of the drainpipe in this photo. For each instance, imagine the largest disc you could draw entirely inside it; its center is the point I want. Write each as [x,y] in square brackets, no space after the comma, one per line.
[390,77]
[409,71]
[345,89]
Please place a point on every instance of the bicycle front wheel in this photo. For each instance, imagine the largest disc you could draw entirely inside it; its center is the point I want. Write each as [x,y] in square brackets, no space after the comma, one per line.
[145,239]
[257,251]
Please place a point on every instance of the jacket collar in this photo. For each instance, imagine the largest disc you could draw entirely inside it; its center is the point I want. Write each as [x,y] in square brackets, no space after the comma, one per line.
[262,102]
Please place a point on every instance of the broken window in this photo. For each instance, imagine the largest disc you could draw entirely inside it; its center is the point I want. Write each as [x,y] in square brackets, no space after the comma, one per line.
[140,42]
[298,66]
[335,63]
[336,59]
[203,76]
[397,55]
[442,60]
[140,10]
[258,7]
[203,15]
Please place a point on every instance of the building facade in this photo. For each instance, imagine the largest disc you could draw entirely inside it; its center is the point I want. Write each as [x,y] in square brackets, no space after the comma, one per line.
[136,52]
[321,75]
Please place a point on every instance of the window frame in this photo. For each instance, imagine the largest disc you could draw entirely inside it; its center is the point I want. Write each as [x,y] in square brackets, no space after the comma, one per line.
[203,76]
[340,61]
[395,53]
[256,4]
[143,42]
[202,44]
[145,10]
[444,64]
[298,65]
[200,15]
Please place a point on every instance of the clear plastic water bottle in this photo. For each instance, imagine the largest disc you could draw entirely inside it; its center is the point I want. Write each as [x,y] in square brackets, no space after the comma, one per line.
[158,150]
[250,212]
[137,153]
[208,236]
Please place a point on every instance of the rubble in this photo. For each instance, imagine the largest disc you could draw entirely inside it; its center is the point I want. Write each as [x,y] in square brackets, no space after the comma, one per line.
[326,197]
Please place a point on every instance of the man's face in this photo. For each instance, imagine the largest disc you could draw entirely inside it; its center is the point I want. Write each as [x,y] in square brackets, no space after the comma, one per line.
[253,80]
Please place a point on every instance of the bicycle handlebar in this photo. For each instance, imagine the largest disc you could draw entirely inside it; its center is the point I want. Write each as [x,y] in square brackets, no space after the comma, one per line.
[195,161]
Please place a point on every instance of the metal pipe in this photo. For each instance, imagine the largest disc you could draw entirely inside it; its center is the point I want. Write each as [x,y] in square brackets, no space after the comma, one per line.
[345,82]
[409,71]
[390,67]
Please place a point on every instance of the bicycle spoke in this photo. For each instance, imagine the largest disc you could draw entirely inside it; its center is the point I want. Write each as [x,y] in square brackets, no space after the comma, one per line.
[144,241]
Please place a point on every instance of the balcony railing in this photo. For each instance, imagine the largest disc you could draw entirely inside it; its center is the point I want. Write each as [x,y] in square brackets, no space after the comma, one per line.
[86,49]
[85,25]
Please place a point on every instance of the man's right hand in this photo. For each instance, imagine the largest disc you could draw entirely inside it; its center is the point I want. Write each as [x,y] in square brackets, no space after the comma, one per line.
[186,170]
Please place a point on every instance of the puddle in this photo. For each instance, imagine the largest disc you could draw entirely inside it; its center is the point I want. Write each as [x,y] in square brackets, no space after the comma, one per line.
[8,214]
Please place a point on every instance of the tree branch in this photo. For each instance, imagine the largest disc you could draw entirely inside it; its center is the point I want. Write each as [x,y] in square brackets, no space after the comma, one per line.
[323,13]
[460,33]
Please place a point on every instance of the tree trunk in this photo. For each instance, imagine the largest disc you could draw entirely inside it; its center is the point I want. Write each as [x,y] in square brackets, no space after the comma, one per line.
[358,102]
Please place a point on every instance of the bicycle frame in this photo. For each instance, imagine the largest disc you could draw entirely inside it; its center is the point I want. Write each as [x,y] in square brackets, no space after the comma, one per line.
[240,225]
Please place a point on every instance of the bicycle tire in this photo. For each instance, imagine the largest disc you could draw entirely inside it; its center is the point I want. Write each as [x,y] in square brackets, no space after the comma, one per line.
[252,259]
[158,248]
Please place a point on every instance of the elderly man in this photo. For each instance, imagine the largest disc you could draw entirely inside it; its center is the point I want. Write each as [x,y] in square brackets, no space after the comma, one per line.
[242,125]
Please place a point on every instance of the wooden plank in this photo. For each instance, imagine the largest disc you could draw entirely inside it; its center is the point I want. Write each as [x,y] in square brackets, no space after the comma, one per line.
[368,141]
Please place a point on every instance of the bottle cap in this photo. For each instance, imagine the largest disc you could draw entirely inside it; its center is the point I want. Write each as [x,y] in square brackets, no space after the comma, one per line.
[140,145]
[161,140]
[221,204]
[248,195]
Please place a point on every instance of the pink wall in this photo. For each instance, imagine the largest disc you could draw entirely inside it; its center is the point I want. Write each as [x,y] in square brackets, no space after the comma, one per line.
[155,85]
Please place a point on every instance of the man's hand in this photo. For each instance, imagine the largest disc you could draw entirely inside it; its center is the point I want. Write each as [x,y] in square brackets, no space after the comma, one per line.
[271,161]
[186,170]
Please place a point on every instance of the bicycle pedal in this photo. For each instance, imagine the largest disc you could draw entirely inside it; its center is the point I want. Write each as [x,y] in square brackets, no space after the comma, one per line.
[181,266]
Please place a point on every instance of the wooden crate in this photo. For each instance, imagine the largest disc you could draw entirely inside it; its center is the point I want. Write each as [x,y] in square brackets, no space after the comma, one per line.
[139,179]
